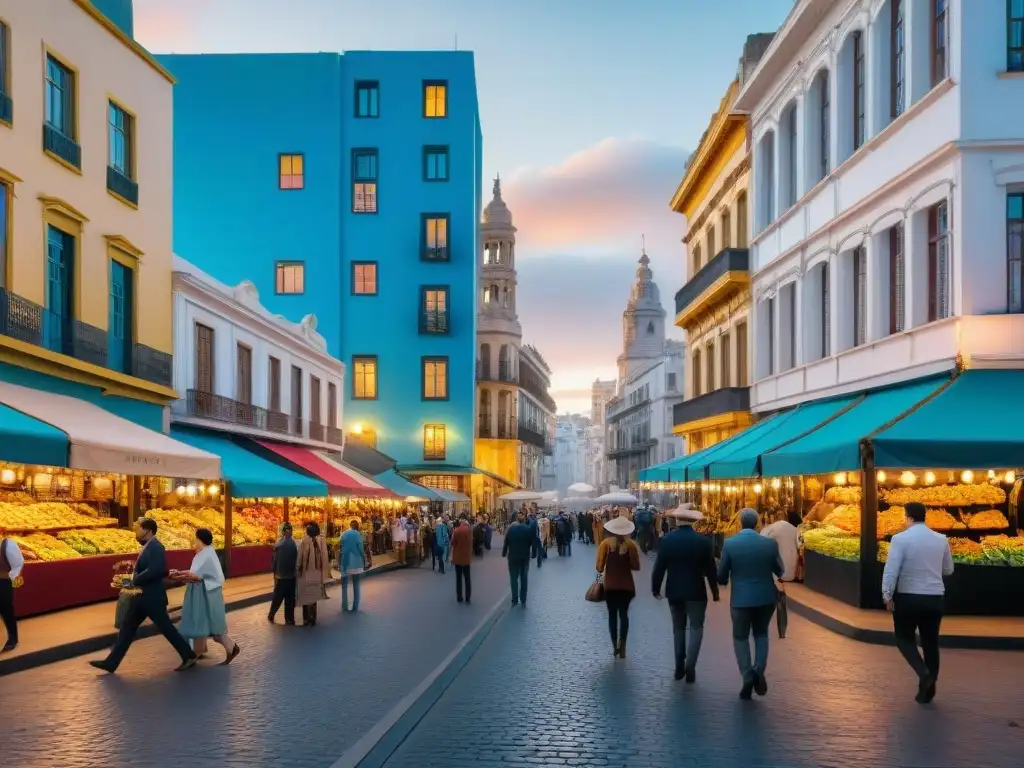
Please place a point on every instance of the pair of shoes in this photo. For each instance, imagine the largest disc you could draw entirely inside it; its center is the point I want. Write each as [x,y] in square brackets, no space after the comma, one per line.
[748,686]
[515,603]
[925,690]
[458,599]
[622,649]
[679,674]
[102,665]
[691,675]
[8,647]
[760,684]
[270,619]
[231,656]
[290,623]
[187,664]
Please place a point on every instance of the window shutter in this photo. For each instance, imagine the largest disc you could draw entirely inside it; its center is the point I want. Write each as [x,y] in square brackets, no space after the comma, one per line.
[897,280]
[942,276]
[826,312]
[860,296]
[204,359]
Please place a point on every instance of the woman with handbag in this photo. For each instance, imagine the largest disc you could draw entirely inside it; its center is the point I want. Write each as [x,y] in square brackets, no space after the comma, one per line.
[203,613]
[353,560]
[314,573]
[617,558]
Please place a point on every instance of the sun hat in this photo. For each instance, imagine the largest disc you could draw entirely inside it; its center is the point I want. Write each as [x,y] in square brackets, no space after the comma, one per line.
[620,526]
[686,512]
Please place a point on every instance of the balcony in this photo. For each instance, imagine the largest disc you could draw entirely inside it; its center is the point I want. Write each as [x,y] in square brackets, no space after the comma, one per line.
[532,433]
[206,405]
[122,186]
[632,449]
[316,432]
[61,146]
[434,322]
[439,253]
[6,109]
[726,273]
[533,385]
[716,403]
[484,428]
[506,428]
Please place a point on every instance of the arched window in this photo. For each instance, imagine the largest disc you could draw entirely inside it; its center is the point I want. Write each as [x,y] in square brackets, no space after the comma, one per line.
[485,361]
[504,297]
[485,413]
[650,328]
[741,220]
[726,229]
[767,188]
[696,373]
[504,413]
[788,156]
[819,129]
[504,364]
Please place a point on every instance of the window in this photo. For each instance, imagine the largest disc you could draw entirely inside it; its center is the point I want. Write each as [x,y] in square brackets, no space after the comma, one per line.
[824,125]
[60,98]
[791,153]
[696,260]
[367,98]
[290,277]
[314,400]
[435,163]
[726,229]
[274,385]
[860,296]
[770,324]
[741,220]
[291,172]
[435,378]
[434,448]
[435,237]
[768,190]
[5,67]
[296,400]
[938,261]
[897,278]
[59,315]
[1015,252]
[332,404]
[204,358]
[711,243]
[741,355]
[671,382]
[364,181]
[709,356]
[898,59]
[1015,35]
[724,367]
[6,199]
[435,98]
[940,41]
[696,373]
[243,383]
[434,305]
[858,91]
[121,145]
[364,278]
[121,313]
[364,378]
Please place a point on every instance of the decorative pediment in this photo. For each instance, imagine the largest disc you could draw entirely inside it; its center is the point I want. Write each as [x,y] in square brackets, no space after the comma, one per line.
[245,293]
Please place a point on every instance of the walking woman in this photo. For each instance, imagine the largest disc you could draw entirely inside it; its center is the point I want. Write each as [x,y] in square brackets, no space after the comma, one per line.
[617,558]
[203,614]
[314,573]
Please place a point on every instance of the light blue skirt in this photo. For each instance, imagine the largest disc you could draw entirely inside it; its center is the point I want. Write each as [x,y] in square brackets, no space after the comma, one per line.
[202,613]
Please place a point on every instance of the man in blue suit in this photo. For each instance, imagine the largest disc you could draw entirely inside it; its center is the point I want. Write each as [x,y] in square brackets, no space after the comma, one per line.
[753,562]
[519,548]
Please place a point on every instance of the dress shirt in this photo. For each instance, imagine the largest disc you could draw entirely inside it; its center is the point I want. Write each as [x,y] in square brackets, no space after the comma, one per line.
[918,559]
[14,557]
[787,537]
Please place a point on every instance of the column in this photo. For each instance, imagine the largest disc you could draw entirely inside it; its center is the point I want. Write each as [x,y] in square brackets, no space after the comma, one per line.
[915,265]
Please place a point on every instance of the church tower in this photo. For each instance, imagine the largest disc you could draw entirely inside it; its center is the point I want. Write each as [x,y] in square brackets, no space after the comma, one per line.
[643,322]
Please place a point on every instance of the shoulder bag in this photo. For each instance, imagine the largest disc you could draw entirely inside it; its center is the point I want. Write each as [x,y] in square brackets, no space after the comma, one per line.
[595,592]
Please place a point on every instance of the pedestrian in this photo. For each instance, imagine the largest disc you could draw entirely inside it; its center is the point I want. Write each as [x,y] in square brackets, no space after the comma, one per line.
[148,577]
[313,573]
[617,558]
[580,527]
[787,537]
[441,543]
[753,562]
[689,561]
[284,564]
[644,522]
[518,549]
[462,557]
[353,562]
[914,592]
[398,537]
[478,538]
[488,532]
[11,563]
[203,613]
[430,542]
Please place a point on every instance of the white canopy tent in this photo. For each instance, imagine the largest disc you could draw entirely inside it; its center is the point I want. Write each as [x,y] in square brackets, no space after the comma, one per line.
[521,496]
[618,497]
[580,489]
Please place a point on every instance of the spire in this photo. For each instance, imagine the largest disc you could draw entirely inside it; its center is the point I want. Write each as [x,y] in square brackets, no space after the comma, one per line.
[644,261]
[497,213]
[497,187]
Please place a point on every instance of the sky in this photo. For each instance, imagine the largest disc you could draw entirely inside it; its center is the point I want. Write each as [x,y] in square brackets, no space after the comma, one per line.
[589,109]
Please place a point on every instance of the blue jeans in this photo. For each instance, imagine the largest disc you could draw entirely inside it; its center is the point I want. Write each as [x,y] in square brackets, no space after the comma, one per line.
[518,575]
[356,578]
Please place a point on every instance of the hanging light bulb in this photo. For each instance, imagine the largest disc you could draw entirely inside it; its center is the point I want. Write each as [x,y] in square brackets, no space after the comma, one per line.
[661,486]
[908,478]
[880,475]
[214,489]
[181,490]
[967,476]
[7,477]
[929,477]
[758,488]
[839,478]
[191,490]
[1009,478]
[776,483]
[991,474]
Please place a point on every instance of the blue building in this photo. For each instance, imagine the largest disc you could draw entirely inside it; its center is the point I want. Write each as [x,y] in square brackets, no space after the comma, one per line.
[349,186]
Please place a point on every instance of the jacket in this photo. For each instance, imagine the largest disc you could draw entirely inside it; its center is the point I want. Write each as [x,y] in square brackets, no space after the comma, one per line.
[314,570]
[285,559]
[617,566]
[353,551]
[150,571]
[520,542]
[441,537]
[689,560]
[462,546]
[752,561]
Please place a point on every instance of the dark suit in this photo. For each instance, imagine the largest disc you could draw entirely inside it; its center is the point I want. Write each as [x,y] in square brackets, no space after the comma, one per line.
[689,560]
[520,544]
[150,572]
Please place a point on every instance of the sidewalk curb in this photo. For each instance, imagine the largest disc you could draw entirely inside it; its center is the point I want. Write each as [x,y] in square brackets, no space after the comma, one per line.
[886,637]
[98,643]
[377,746]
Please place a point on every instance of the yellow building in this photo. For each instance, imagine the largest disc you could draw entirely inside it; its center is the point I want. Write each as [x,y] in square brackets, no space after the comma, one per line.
[713,306]
[85,196]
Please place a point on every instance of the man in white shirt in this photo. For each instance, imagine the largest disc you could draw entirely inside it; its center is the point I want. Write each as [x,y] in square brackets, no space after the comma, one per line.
[788,538]
[913,590]
[11,563]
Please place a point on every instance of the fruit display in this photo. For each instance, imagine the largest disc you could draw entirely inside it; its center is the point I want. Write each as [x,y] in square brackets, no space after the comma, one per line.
[1004,550]
[986,519]
[891,521]
[962,495]
[99,541]
[182,524]
[832,541]
[43,546]
[16,497]
[843,494]
[845,517]
[966,551]
[998,550]
[50,515]
[174,539]
[262,519]
[941,520]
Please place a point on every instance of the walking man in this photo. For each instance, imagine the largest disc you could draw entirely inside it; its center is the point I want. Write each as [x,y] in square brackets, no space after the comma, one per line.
[441,543]
[520,542]
[11,563]
[150,572]
[689,560]
[462,556]
[787,537]
[913,590]
[644,522]
[753,562]
[284,564]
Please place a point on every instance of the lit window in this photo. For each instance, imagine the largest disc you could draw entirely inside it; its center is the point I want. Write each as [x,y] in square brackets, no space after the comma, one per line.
[291,277]
[435,237]
[434,442]
[434,317]
[368,99]
[435,98]
[435,378]
[364,278]
[364,378]
[364,181]
[290,172]
[435,163]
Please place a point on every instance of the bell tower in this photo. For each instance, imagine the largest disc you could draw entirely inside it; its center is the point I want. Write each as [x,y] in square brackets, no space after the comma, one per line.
[643,321]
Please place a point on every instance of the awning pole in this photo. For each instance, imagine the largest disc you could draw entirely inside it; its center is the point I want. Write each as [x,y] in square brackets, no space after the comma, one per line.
[284,506]
[228,514]
[869,586]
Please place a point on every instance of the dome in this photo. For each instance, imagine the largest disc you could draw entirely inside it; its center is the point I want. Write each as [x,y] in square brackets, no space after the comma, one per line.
[120,12]
[496,211]
[645,294]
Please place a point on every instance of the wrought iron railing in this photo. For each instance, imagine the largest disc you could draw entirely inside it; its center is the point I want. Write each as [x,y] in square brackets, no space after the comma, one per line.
[727,260]
[507,428]
[531,433]
[122,186]
[90,344]
[434,322]
[436,254]
[718,401]
[62,146]
[277,422]
[152,365]
[486,430]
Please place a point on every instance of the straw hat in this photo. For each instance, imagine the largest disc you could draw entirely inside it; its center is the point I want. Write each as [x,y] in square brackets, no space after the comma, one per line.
[620,526]
[686,512]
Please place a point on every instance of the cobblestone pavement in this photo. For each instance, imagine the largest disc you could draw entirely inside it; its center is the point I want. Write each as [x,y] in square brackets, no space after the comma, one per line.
[294,698]
[544,690]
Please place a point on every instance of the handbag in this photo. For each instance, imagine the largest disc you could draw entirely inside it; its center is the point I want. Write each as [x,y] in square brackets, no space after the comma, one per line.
[781,612]
[124,605]
[595,592]
[367,559]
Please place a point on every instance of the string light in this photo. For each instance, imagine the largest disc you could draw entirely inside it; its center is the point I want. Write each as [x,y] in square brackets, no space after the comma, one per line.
[908,478]
[881,475]
[758,488]
[181,490]
[929,478]
[776,483]
[1010,477]
[967,476]
[839,478]
[991,474]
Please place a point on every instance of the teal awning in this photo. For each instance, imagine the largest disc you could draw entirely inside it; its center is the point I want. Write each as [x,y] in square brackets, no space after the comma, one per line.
[447,495]
[25,440]
[975,423]
[251,476]
[677,470]
[404,488]
[741,457]
[660,473]
[835,445]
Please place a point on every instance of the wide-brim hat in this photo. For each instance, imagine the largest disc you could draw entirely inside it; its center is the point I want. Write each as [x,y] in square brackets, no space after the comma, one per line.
[620,526]
[686,512]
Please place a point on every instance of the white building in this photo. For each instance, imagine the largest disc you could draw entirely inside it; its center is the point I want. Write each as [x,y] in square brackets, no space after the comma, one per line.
[536,417]
[241,369]
[888,183]
[598,467]
[570,458]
